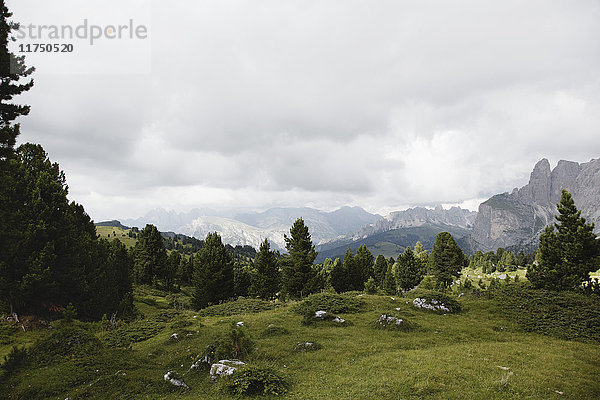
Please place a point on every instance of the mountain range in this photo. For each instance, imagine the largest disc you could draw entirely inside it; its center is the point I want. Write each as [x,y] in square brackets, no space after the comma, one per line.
[511,220]
[396,231]
[515,220]
[251,228]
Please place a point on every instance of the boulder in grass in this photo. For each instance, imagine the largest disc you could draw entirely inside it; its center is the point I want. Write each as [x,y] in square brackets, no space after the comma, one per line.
[170,377]
[205,360]
[325,316]
[225,368]
[303,347]
[388,320]
[430,304]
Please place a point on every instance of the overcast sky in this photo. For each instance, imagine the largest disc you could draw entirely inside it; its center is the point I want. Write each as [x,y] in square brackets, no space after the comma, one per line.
[254,104]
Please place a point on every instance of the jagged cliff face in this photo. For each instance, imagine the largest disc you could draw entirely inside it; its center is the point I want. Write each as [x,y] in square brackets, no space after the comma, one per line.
[419,216]
[515,220]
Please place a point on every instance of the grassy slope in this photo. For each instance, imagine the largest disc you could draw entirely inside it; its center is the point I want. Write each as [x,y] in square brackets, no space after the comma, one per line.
[105,231]
[446,357]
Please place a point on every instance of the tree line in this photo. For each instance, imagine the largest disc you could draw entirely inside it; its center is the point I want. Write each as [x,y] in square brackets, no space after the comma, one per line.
[50,255]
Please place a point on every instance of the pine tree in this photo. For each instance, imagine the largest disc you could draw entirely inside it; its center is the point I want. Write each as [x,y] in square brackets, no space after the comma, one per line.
[389,282]
[297,271]
[568,255]
[265,277]
[364,264]
[379,270]
[507,262]
[12,69]
[150,256]
[446,259]
[339,279]
[213,273]
[352,271]
[53,256]
[421,255]
[169,273]
[409,272]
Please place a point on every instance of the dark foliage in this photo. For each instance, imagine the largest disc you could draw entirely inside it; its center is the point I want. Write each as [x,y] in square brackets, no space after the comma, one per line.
[237,307]
[564,315]
[213,277]
[253,380]
[567,255]
[330,302]
[297,270]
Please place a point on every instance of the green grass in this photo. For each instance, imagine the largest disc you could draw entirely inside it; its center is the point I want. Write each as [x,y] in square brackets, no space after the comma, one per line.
[483,352]
[238,307]
[113,232]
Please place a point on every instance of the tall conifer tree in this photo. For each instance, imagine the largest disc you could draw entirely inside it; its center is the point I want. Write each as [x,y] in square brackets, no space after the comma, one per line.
[446,259]
[213,273]
[297,265]
[568,255]
[265,277]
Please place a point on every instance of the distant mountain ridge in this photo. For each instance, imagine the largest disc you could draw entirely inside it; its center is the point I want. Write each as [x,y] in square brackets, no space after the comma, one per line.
[392,234]
[251,228]
[515,220]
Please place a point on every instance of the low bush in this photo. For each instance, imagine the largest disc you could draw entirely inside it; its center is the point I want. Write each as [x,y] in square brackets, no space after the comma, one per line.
[15,359]
[179,301]
[136,331]
[330,302]
[68,341]
[241,306]
[274,330]
[390,322]
[564,315]
[435,301]
[253,380]
[235,343]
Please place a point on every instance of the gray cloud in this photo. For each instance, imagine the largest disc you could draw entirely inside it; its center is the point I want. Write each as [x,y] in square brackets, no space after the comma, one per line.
[380,104]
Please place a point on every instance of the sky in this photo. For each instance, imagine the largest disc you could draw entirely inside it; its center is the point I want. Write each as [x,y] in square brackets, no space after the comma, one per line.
[264,103]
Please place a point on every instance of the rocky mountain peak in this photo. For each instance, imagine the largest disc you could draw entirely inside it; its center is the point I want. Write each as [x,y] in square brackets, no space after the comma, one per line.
[516,220]
[539,182]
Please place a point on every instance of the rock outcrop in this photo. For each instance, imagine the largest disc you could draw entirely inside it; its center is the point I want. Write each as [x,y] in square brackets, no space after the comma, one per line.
[515,220]
[419,216]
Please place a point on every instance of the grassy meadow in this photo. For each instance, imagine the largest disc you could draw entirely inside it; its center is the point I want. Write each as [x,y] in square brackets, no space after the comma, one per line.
[112,232]
[485,351]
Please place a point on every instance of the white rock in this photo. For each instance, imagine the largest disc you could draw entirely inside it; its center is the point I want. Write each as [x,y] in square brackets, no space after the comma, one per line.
[241,323]
[224,367]
[386,320]
[320,314]
[175,336]
[338,319]
[173,381]
[432,305]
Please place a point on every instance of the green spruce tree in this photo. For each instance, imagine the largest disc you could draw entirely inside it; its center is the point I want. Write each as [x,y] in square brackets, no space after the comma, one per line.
[339,278]
[297,271]
[379,270]
[364,263]
[213,273]
[150,256]
[568,250]
[265,277]
[446,259]
[409,271]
